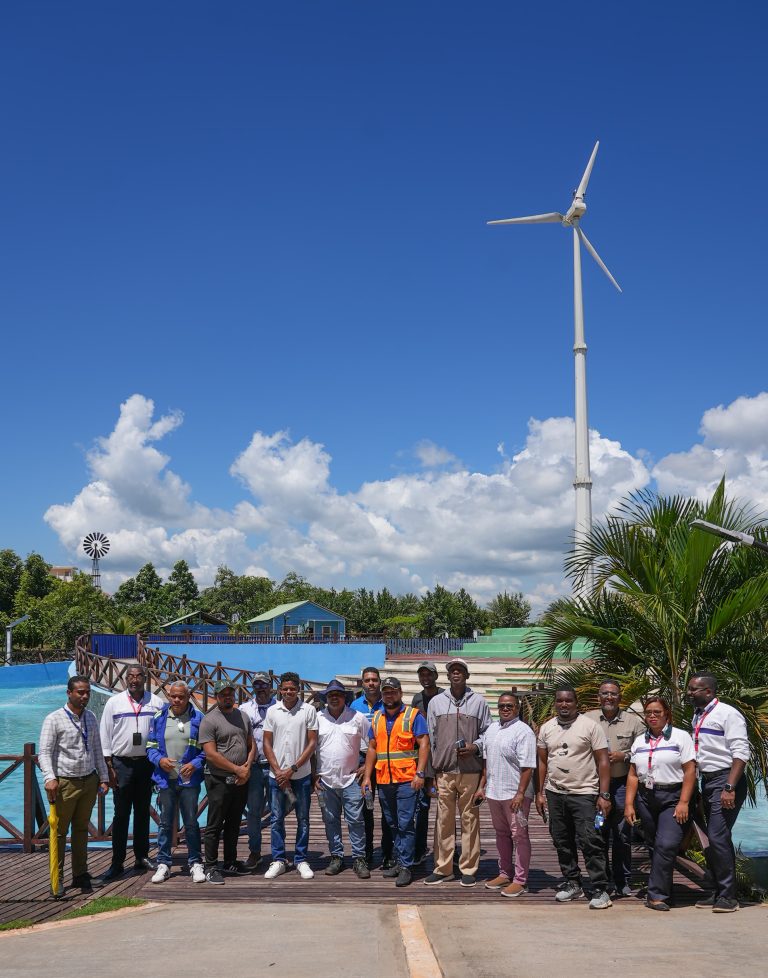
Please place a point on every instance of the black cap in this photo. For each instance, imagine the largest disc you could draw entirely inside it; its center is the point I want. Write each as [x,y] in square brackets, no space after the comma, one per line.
[392,681]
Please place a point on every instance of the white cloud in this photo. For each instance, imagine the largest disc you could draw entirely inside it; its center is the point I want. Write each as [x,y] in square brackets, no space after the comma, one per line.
[505,529]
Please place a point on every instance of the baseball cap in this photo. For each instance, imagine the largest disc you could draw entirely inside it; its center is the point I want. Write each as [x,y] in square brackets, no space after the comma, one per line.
[457,662]
[222,684]
[334,686]
[392,681]
[427,665]
[261,677]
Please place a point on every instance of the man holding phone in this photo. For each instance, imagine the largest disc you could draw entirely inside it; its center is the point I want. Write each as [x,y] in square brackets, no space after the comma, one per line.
[456,719]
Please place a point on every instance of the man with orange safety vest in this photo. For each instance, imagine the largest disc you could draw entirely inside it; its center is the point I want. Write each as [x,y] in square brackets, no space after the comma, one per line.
[398,748]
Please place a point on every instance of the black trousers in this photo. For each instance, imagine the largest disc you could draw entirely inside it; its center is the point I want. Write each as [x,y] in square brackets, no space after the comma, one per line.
[422,822]
[656,808]
[617,837]
[572,827]
[132,794]
[721,857]
[226,804]
[387,845]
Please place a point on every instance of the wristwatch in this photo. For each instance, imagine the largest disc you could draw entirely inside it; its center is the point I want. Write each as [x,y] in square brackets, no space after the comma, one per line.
[728,787]
[605,795]
[420,774]
[294,768]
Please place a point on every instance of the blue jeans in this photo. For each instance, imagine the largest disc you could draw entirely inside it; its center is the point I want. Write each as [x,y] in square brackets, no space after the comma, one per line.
[398,806]
[258,785]
[302,788]
[351,800]
[174,799]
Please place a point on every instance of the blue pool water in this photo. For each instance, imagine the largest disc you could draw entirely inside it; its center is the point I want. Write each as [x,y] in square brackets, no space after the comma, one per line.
[22,712]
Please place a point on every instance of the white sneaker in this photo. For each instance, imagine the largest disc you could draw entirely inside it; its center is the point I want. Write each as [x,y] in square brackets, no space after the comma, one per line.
[304,871]
[161,873]
[197,873]
[277,868]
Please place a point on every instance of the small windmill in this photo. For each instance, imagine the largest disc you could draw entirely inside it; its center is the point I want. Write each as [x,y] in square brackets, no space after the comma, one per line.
[96,545]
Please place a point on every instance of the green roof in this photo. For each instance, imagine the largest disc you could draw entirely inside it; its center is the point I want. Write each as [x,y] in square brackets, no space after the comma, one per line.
[208,619]
[281,609]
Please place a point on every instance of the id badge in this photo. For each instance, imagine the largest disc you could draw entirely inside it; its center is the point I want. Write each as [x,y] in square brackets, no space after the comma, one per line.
[137,739]
[649,782]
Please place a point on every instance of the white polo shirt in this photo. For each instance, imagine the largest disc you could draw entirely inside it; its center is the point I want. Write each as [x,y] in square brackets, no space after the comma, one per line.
[666,758]
[289,729]
[722,736]
[122,718]
[339,742]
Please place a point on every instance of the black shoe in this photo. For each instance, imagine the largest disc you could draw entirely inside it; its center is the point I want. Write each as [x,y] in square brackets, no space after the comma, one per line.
[214,876]
[235,869]
[724,905]
[660,905]
[83,883]
[391,871]
[707,903]
[388,862]
[434,878]
[112,874]
[335,866]
[144,865]
[403,877]
[467,880]
[360,866]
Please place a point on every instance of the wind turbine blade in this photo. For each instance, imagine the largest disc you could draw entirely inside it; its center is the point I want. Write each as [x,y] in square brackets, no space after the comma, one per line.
[552,218]
[582,188]
[598,259]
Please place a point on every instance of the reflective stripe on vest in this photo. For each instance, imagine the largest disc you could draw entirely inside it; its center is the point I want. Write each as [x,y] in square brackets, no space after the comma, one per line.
[398,765]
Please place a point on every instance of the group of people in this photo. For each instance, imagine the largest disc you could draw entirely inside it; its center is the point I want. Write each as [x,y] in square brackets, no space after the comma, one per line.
[591,775]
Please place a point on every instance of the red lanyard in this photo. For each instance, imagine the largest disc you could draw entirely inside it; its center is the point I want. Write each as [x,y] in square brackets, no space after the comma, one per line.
[136,713]
[653,744]
[697,727]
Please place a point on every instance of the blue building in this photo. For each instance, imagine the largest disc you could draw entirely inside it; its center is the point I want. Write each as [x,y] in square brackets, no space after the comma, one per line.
[300,619]
[195,623]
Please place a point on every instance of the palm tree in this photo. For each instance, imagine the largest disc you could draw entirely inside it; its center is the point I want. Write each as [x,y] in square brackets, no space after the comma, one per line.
[667,601]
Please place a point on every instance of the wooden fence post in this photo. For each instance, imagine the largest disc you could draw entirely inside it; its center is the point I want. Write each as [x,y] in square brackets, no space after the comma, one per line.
[29,797]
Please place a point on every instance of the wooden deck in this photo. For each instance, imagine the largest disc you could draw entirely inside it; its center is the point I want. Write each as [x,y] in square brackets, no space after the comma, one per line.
[24,890]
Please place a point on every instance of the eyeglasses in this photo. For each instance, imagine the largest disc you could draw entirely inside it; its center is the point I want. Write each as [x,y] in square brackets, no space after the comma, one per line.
[506,706]
[655,713]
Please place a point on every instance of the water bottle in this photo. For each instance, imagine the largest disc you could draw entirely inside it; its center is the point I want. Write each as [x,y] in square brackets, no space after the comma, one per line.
[289,794]
[321,799]
[599,821]
[368,799]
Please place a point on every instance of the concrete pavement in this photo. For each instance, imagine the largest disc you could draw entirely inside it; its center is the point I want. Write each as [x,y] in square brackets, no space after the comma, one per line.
[350,941]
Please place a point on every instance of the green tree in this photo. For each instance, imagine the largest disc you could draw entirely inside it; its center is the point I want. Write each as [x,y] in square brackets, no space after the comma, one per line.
[661,601]
[68,610]
[35,583]
[11,568]
[181,590]
[508,610]
[235,596]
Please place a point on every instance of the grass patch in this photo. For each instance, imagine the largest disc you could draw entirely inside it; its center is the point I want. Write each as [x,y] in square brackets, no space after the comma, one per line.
[103,905]
[15,924]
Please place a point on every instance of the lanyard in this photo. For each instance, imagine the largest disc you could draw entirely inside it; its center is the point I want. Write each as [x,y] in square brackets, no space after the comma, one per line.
[697,726]
[136,713]
[81,726]
[652,745]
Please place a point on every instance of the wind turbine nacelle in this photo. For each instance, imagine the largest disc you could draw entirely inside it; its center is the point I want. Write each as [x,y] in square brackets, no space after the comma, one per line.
[576,211]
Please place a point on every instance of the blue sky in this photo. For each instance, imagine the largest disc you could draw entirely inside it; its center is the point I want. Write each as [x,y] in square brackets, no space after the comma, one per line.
[271,218]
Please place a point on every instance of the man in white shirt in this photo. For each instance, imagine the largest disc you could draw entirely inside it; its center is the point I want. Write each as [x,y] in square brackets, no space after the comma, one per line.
[290,739]
[73,771]
[341,733]
[124,732]
[721,746]
[258,783]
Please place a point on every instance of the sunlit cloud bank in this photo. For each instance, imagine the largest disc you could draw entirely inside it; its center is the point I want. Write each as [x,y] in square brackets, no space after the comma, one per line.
[485,531]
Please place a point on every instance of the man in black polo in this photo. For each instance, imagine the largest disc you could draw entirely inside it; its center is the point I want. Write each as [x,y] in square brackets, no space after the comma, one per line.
[427,673]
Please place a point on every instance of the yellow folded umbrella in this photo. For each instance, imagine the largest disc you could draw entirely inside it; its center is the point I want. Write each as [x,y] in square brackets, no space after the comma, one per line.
[53,850]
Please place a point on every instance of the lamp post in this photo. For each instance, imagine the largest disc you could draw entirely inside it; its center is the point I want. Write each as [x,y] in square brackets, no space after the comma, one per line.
[733,536]
[9,638]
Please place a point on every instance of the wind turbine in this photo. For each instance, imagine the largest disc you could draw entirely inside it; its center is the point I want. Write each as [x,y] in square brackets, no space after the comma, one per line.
[582,482]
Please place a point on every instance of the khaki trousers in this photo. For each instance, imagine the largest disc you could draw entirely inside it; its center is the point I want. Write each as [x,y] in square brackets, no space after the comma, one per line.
[456,791]
[74,805]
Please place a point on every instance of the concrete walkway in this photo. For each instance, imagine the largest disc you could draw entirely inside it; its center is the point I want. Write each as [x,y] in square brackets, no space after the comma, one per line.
[348,941]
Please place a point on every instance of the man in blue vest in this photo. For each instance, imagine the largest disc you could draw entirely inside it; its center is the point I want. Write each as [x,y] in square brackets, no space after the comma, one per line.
[178,762]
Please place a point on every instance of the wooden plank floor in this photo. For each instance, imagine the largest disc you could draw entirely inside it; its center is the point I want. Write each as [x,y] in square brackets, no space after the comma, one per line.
[24,887]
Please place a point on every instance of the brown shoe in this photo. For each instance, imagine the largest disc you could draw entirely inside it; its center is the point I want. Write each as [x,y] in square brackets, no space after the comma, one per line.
[497,883]
[514,890]
[253,861]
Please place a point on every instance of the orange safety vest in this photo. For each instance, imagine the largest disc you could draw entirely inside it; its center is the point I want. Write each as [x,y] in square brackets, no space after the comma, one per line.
[396,751]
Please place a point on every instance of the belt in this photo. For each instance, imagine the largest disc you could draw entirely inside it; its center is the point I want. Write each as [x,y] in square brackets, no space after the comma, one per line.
[709,775]
[264,764]
[76,777]
[664,787]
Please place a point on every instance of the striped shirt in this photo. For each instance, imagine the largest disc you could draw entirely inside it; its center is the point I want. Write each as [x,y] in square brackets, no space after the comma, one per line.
[508,748]
[70,746]
[122,718]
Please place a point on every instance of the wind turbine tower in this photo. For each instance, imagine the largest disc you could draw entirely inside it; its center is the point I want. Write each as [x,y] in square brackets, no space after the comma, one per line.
[582,482]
